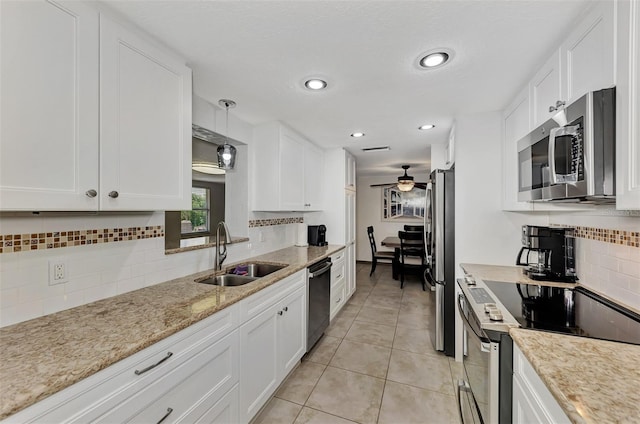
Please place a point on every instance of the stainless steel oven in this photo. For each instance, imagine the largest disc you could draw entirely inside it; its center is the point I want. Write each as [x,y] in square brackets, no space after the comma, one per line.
[571,157]
[478,393]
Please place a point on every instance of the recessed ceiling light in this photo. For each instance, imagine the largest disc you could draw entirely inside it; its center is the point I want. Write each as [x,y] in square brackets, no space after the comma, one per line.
[434,58]
[315,84]
[426,127]
[357,134]
[376,149]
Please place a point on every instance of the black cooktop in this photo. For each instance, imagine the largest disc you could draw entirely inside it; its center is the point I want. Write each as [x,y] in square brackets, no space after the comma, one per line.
[572,311]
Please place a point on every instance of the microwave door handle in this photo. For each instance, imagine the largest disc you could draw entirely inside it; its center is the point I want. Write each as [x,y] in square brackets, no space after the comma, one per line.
[553,178]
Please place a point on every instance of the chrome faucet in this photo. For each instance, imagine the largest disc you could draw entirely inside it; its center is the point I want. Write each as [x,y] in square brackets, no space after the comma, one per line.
[221,248]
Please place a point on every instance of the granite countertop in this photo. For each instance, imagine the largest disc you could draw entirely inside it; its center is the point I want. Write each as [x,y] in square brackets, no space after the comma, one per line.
[507,274]
[45,355]
[594,381]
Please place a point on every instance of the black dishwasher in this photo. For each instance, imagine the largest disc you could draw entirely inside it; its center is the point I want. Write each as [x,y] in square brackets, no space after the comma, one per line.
[318,300]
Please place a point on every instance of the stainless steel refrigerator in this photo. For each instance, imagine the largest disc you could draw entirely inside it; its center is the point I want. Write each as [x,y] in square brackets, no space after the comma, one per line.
[440,240]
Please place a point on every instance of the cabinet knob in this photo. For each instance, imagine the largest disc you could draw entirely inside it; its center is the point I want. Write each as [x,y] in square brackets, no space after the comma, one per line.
[285,309]
[307,204]
[558,105]
[113,194]
[279,312]
[91,193]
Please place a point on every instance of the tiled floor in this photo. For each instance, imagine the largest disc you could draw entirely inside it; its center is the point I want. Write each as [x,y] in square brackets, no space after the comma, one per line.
[375,363]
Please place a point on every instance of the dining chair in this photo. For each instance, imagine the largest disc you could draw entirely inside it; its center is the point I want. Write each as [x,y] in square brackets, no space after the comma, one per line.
[412,255]
[419,228]
[383,255]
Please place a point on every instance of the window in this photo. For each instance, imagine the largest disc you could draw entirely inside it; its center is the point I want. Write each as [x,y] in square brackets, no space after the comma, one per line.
[197,221]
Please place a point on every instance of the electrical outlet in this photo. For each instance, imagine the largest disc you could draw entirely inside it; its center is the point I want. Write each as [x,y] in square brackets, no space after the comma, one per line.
[57,271]
[261,236]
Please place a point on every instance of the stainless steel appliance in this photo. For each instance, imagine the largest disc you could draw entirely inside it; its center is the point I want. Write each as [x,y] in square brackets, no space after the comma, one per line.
[318,300]
[550,253]
[486,392]
[317,235]
[440,232]
[571,157]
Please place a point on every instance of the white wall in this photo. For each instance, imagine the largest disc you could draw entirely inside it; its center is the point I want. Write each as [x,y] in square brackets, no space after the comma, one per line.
[369,212]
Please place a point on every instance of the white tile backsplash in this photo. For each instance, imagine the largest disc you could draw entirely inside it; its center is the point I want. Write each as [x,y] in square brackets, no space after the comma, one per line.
[611,269]
[103,270]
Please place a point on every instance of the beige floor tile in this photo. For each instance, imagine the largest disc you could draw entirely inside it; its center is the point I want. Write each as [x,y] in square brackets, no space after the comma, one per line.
[363,358]
[382,301]
[415,321]
[347,394]
[278,411]
[324,350]
[359,297]
[377,334]
[312,416]
[340,326]
[350,309]
[298,386]
[424,371]
[415,308]
[378,315]
[418,298]
[407,405]
[417,341]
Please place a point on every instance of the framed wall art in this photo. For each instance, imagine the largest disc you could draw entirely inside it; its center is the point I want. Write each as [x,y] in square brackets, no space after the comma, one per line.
[403,205]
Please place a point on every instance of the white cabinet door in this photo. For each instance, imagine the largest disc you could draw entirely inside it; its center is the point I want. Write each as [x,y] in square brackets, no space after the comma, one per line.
[350,216]
[628,107]
[588,54]
[523,411]
[292,331]
[313,178]
[145,124]
[516,124]
[545,90]
[350,171]
[291,172]
[258,362]
[350,270]
[49,105]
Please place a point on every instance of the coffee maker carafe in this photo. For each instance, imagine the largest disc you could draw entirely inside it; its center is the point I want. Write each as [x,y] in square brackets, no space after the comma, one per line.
[550,253]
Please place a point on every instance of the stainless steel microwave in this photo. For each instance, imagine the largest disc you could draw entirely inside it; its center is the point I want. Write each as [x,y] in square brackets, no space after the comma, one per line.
[571,157]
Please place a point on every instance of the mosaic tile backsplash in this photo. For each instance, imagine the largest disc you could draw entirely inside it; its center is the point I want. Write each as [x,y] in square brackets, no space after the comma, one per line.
[53,240]
[275,221]
[625,238]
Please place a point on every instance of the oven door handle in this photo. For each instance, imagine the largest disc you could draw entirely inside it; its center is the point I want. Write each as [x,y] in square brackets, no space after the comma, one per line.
[319,272]
[483,339]
[463,386]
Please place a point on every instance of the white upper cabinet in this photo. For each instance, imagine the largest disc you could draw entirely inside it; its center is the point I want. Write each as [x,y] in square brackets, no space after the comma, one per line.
[145,124]
[49,106]
[545,90]
[94,117]
[628,107]
[588,53]
[515,120]
[350,171]
[287,170]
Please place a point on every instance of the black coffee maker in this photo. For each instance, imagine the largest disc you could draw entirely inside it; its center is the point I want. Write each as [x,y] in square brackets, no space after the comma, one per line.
[550,253]
[317,235]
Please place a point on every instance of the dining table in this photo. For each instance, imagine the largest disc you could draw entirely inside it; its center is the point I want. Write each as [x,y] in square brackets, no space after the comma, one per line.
[394,242]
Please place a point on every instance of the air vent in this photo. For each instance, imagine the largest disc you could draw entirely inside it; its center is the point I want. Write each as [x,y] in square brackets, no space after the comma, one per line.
[376,149]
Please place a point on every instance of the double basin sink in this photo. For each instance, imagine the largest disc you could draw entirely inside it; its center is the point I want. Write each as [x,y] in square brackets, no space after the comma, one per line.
[242,274]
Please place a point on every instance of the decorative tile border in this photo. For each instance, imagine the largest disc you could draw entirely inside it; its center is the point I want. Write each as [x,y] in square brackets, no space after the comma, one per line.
[58,239]
[276,221]
[625,238]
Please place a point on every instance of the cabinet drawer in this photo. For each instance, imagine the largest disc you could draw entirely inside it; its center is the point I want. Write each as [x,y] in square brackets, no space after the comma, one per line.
[338,256]
[338,294]
[204,378]
[258,302]
[97,394]
[225,411]
[338,272]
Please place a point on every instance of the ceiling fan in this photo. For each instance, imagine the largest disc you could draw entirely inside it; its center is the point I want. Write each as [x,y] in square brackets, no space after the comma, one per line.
[405,182]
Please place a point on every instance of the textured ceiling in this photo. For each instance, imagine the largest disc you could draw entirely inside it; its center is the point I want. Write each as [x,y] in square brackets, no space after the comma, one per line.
[258,53]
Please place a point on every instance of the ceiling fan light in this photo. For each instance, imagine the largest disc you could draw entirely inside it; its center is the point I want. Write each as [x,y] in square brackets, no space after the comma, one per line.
[207,168]
[405,185]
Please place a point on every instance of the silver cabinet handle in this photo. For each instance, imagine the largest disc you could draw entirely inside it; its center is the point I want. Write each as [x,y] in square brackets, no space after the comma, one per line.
[558,105]
[113,194]
[169,411]
[308,204]
[338,301]
[91,193]
[285,308]
[280,312]
[150,367]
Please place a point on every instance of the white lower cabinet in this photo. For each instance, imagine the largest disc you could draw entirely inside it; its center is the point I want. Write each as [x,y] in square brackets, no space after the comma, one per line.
[215,371]
[338,282]
[272,344]
[532,401]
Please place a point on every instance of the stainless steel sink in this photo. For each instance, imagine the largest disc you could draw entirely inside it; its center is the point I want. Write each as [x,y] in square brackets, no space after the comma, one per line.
[258,270]
[228,280]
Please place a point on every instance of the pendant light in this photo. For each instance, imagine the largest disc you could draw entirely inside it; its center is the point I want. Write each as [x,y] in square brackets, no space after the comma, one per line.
[226,152]
[405,182]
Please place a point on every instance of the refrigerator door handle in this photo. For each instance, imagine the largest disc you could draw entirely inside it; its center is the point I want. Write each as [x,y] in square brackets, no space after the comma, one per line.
[439,228]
